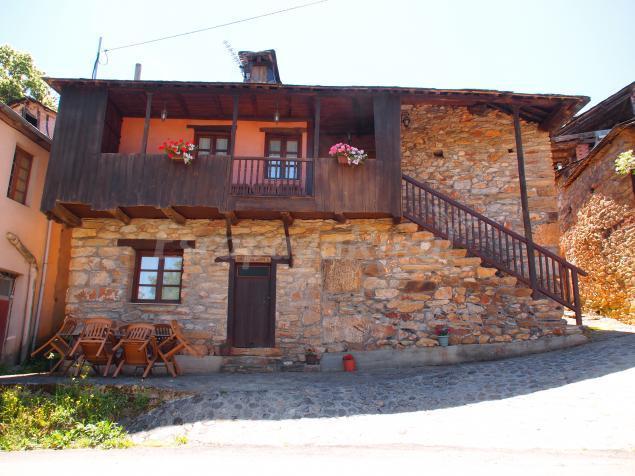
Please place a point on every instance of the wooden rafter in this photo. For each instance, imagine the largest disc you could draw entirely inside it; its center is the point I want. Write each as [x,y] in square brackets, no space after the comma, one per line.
[183,104]
[66,216]
[173,215]
[120,215]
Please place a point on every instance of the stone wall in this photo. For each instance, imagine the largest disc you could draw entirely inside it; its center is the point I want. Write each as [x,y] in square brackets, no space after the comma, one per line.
[598,231]
[472,157]
[365,284]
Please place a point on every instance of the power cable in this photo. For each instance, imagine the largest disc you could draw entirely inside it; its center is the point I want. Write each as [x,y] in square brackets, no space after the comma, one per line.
[216,26]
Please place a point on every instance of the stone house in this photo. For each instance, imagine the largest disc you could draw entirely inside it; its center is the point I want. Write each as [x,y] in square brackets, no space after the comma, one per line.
[597,206]
[265,245]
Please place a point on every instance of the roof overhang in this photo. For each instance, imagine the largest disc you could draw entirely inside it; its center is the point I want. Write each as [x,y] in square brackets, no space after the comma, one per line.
[603,144]
[19,123]
[549,110]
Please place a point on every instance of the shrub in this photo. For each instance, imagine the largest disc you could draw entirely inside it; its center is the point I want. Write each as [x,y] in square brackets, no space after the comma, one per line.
[66,416]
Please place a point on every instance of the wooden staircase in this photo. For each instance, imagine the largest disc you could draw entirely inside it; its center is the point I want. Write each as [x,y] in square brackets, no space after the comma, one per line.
[546,273]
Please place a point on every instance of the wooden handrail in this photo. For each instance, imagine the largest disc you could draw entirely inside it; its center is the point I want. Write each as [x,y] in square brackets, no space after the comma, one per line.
[493,223]
[496,245]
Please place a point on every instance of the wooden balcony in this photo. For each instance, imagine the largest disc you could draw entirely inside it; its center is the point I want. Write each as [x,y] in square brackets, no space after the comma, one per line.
[146,186]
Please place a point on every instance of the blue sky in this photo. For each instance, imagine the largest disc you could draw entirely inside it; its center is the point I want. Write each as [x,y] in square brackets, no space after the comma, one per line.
[570,47]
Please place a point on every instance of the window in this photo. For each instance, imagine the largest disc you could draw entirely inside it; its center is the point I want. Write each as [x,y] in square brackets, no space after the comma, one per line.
[158,277]
[20,172]
[212,144]
[287,147]
[30,118]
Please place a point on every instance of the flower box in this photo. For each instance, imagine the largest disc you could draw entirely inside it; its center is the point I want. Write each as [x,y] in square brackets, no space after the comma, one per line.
[179,150]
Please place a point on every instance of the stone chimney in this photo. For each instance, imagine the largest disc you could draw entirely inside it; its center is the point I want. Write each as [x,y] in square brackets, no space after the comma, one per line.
[259,66]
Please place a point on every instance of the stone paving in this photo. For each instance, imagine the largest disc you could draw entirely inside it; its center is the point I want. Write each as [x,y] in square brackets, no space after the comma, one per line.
[575,398]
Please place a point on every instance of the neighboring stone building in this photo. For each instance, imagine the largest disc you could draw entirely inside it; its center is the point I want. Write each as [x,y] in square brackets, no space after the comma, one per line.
[265,245]
[31,248]
[597,206]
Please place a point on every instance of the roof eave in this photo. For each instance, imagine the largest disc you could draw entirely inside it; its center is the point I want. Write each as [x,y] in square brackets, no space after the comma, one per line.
[16,121]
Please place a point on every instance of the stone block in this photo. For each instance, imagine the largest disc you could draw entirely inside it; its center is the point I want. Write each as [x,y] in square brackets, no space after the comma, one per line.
[341,275]
[443,293]
[419,286]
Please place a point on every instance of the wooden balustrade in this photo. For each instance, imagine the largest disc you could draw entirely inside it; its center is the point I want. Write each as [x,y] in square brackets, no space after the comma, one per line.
[496,245]
[277,177]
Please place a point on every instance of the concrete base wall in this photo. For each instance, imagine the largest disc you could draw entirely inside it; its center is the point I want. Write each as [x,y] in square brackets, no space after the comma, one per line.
[389,358]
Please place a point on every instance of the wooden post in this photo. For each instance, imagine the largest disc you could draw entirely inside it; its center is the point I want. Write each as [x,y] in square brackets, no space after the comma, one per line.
[520,156]
[576,298]
[146,124]
[234,126]
[316,127]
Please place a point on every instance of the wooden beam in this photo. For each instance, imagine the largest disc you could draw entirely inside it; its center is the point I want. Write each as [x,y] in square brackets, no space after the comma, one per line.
[357,115]
[183,104]
[555,119]
[580,136]
[234,126]
[340,217]
[287,238]
[524,201]
[231,216]
[316,126]
[66,216]
[254,104]
[120,215]
[173,215]
[219,104]
[146,124]
[287,218]
[228,233]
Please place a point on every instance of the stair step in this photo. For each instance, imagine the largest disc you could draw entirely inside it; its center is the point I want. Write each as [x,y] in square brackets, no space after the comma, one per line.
[250,364]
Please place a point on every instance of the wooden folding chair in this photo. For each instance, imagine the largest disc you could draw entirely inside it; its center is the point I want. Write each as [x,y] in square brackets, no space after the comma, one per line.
[173,345]
[96,342]
[164,342]
[62,342]
[137,347]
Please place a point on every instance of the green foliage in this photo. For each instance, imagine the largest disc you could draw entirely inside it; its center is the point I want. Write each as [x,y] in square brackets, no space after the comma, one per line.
[625,163]
[19,77]
[68,416]
[33,365]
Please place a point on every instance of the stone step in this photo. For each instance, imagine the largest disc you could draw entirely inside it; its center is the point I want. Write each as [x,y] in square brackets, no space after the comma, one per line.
[250,364]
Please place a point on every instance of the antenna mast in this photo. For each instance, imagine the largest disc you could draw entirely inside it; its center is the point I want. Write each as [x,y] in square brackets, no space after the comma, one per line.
[234,56]
[94,75]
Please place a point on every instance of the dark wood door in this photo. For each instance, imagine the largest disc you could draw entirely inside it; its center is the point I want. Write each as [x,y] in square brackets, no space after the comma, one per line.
[253,323]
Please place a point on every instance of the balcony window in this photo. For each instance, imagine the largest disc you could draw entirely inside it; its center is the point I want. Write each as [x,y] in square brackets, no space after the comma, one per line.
[20,173]
[287,147]
[212,144]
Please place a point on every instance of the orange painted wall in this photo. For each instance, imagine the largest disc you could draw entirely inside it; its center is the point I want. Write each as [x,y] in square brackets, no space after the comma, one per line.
[250,142]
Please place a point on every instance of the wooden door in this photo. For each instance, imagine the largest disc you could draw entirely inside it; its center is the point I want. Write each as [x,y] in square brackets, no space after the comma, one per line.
[253,320]
[6,289]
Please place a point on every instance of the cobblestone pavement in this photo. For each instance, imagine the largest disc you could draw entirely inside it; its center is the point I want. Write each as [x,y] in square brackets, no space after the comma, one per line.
[578,398]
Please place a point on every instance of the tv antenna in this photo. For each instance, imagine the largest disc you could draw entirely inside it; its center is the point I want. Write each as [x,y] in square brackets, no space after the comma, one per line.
[234,56]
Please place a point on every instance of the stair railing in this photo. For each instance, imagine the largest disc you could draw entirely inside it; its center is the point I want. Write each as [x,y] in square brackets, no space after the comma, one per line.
[496,245]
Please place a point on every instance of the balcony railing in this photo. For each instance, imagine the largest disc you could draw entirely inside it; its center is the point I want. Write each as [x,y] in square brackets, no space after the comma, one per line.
[277,177]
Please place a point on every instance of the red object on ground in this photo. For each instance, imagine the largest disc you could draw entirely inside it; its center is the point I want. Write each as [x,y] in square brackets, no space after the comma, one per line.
[349,363]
